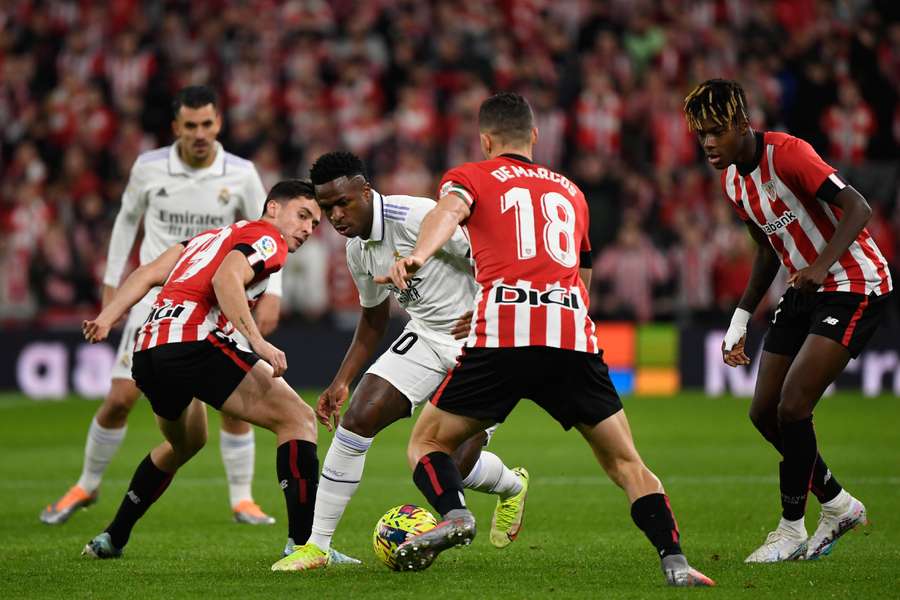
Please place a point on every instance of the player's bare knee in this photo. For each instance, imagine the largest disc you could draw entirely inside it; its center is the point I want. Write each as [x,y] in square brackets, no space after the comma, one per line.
[117,406]
[791,412]
[360,421]
[297,420]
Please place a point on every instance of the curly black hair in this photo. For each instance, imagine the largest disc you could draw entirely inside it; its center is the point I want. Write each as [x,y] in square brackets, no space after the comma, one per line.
[720,100]
[332,165]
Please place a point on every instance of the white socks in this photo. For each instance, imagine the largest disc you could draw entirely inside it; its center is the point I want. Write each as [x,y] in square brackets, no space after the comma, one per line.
[490,475]
[839,503]
[341,472]
[238,455]
[102,444]
[797,528]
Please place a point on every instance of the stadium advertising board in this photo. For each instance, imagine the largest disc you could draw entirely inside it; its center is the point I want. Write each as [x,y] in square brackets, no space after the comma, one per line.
[876,370]
[48,365]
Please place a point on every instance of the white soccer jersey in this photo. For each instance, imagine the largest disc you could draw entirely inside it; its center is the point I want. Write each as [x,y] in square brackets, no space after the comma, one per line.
[439,293]
[176,203]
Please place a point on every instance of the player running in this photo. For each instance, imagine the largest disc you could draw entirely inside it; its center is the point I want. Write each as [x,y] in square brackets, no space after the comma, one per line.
[381,228]
[530,335]
[177,191]
[209,286]
[801,214]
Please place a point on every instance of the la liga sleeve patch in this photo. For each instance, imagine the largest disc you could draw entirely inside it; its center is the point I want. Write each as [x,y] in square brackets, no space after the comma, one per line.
[266,247]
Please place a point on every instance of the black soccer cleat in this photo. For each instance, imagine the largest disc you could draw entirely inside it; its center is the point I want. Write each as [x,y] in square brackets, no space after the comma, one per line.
[417,553]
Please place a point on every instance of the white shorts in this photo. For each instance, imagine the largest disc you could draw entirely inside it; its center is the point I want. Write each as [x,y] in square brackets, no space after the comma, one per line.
[136,316]
[416,366]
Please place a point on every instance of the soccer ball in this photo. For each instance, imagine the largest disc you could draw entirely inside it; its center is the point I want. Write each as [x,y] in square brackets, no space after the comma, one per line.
[395,526]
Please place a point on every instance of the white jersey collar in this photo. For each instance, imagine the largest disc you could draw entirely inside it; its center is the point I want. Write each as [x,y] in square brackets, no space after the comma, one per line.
[177,166]
[377,233]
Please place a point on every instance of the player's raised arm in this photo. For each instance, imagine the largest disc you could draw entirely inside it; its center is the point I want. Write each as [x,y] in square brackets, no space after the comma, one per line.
[437,228]
[136,286]
[230,283]
[373,322]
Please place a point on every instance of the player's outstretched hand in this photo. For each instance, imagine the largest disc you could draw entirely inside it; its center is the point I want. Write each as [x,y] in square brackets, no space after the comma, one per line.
[95,331]
[461,328]
[271,355]
[736,356]
[328,408]
[401,272]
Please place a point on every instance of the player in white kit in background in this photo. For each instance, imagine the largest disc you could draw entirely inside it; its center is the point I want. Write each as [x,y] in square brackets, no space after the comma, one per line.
[177,191]
[380,229]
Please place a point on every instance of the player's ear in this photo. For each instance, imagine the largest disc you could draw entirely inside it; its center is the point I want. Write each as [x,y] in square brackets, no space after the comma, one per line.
[485,144]
[534,135]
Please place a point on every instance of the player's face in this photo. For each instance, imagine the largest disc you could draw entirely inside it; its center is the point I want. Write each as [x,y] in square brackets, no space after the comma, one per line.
[720,143]
[196,130]
[296,219]
[347,204]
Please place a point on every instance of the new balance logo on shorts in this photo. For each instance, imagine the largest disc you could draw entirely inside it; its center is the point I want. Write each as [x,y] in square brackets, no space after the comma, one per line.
[830,320]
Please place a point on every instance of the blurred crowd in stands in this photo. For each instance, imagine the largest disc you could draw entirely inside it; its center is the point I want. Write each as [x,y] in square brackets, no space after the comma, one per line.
[86,86]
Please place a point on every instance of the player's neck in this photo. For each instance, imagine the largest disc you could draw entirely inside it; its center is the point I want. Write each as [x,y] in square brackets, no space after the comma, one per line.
[516,150]
[195,164]
[749,155]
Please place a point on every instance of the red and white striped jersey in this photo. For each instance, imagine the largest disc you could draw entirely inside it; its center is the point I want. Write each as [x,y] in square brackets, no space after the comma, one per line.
[785,195]
[186,309]
[529,235]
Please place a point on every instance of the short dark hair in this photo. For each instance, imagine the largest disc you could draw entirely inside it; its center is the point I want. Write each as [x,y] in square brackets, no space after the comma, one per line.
[288,190]
[508,116]
[720,100]
[193,96]
[332,165]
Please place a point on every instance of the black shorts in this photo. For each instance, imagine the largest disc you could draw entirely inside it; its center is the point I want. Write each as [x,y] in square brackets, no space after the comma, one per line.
[847,318]
[172,375]
[487,383]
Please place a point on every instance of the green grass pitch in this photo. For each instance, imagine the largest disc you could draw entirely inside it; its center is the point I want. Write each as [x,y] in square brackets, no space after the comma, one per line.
[578,539]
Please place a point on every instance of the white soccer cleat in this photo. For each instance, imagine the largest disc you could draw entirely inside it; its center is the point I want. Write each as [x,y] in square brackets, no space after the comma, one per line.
[833,523]
[781,545]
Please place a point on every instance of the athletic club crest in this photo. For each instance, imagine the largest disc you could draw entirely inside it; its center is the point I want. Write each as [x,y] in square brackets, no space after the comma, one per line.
[769,189]
[224,196]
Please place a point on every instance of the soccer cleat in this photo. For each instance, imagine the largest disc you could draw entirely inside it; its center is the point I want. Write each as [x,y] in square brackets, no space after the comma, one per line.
[101,547]
[249,512]
[509,514]
[417,553]
[334,557]
[680,574]
[832,525]
[339,558]
[303,558]
[780,545]
[60,511]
